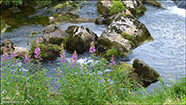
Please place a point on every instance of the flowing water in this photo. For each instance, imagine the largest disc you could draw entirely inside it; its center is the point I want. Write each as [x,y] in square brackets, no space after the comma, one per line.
[166,54]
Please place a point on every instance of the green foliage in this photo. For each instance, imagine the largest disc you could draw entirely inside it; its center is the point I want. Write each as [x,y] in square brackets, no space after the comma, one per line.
[116,7]
[81,86]
[23,87]
[123,14]
[111,51]
[20,2]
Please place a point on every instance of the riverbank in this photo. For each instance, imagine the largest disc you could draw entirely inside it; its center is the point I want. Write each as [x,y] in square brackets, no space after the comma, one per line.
[166,53]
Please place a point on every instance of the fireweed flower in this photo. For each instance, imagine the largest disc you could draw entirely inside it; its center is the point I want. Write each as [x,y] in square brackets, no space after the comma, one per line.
[92,48]
[73,59]
[13,54]
[37,53]
[5,56]
[112,60]
[62,54]
[74,56]
[59,72]
[71,62]
[27,57]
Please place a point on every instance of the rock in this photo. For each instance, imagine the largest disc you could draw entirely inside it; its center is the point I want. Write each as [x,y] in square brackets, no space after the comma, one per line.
[100,20]
[68,17]
[123,34]
[79,38]
[147,74]
[180,3]
[53,34]
[136,7]
[103,7]
[48,51]
[14,9]
[7,43]
[20,52]
[127,71]
[152,2]
[66,7]
[4,26]
[34,33]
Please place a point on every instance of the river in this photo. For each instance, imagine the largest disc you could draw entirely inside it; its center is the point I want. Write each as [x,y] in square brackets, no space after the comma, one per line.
[166,54]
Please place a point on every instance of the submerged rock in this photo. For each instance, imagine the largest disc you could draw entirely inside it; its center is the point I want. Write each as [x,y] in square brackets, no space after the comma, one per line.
[79,38]
[53,34]
[147,74]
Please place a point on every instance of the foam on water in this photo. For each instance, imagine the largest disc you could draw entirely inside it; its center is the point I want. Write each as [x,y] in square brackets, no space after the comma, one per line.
[176,10]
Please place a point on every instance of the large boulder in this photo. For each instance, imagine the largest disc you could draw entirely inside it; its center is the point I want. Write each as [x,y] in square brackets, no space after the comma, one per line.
[54,35]
[110,7]
[123,34]
[79,38]
[147,74]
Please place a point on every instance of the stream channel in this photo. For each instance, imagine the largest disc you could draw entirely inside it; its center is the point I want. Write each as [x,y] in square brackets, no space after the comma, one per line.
[166,54]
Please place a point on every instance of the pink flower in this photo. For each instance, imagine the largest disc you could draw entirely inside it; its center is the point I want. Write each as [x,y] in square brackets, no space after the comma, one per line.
[13,54]
[37,53]
[62,55]
[112,60]
[92,49]
[27,58]
[5,56]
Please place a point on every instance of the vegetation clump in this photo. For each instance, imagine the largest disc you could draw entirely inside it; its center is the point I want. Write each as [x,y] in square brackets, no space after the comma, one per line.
[116,7]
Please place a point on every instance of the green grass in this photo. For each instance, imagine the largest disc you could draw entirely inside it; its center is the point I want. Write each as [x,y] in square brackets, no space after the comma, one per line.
[80,86]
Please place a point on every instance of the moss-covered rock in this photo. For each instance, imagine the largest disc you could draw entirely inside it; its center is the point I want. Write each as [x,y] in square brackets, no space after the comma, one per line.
[126,72]
[48,51]
[4,26]
[66,7]
[79,38]
[123,34]
[53,34]
[147,74]
[34,33]
[68,17]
